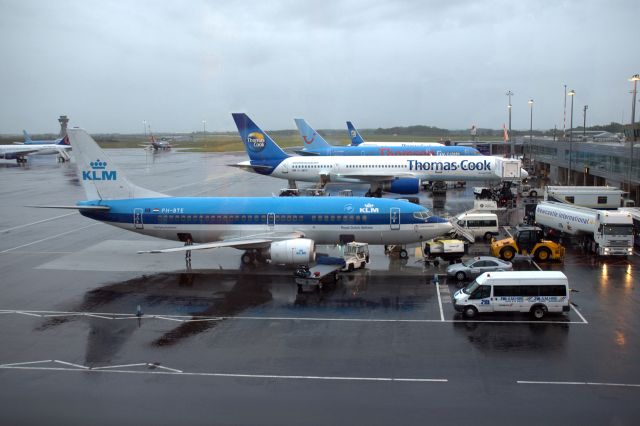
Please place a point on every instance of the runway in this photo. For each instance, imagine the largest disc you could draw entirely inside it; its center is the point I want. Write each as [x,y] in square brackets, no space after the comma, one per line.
[94,333]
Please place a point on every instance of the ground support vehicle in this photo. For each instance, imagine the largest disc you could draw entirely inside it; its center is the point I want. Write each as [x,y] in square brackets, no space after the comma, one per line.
[603,232]
[536,292]
[327,268]
[527,240]
[450,250]
[595,197]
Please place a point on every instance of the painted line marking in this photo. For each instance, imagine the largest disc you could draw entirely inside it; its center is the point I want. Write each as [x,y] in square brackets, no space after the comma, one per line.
[440,302]
[2,231]
[51,237]
[580,315]
[531,382]
[187,318]
[175,372]
[70,364]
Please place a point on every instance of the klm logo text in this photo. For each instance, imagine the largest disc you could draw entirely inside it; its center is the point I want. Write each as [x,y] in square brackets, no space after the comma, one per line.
[99,175]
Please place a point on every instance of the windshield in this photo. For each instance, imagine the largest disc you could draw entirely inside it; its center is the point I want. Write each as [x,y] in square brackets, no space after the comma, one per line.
[423,215]
[471,288]
[468,262]
[617,230]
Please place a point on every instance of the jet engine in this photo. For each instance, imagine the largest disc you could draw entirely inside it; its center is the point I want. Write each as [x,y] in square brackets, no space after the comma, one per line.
[299,251]
[403,186]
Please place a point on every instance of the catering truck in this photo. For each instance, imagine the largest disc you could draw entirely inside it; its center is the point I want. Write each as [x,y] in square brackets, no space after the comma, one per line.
[595,197]
[603,232]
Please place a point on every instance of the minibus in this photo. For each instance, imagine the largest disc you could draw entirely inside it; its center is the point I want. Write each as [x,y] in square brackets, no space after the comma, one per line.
[482,225]
[536,292]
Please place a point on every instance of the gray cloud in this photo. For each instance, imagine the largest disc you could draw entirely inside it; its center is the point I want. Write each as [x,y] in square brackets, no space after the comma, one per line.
[111,64]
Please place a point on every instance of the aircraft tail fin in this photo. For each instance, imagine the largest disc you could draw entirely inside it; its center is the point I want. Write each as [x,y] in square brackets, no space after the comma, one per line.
[356,139]
[27,138]
[63,140]
[311,138]
[100,176]
[259,145]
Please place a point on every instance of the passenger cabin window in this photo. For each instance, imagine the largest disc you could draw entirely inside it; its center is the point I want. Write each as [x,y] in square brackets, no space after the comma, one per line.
[602,200]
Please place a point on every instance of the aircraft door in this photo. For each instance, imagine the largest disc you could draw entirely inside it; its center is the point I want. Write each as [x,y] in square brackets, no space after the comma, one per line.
[137,219]
[394,218]
[271,221]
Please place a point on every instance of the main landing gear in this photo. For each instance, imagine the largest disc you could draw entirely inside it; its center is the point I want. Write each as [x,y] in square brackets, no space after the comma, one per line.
[250,257]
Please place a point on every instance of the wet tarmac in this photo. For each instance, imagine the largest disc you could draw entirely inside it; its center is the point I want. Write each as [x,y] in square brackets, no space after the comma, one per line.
[93,333]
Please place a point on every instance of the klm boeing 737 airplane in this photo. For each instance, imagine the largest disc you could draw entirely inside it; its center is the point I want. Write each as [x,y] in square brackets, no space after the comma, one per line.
[19,152]
[357,140]
[282,229]
[396,174]
[314,144]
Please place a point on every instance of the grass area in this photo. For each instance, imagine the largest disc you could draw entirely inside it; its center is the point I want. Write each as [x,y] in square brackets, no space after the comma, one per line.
[224,142]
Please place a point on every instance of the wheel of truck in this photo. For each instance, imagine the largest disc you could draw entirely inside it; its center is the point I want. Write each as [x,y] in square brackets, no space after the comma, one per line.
[350,267]
[539,311]
[542,254]
[488,236]
[436,262]
[470,311]
[403,254]
[507,253]
[461,276]
[362,265]
[533,194]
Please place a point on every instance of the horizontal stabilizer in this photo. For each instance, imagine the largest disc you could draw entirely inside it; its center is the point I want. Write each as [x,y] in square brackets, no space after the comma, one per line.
[73,207]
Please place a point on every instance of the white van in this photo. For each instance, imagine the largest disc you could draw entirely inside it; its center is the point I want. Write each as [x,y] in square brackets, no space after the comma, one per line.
[481,225]
[537,292]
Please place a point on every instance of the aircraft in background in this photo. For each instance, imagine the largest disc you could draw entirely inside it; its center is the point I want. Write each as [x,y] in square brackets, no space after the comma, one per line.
[315,144]
[19,152]
[29,141]
[395,174]
[357,140]
[282,229]
[157,145]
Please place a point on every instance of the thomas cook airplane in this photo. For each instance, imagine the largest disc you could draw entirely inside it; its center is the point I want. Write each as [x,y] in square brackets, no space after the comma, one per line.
[284,230]
[314,144]
[395,174]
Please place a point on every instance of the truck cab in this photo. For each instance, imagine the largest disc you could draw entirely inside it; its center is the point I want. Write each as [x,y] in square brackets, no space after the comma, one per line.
[356,255]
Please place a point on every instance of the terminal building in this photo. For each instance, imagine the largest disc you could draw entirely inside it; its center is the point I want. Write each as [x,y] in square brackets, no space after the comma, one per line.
[595,159]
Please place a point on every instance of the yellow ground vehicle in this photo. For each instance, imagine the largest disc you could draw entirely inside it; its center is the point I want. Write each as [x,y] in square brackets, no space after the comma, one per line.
[527,240]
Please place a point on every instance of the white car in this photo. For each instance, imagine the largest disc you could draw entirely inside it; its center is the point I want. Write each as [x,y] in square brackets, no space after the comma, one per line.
[477,266]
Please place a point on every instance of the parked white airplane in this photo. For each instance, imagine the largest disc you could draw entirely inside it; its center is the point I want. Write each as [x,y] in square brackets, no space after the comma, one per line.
[357,140]
[396,174]
[20,152]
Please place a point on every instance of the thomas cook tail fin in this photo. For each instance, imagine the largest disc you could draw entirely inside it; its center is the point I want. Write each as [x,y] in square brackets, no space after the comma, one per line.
[312,139]
[100,176]
[356,139]
[259,145]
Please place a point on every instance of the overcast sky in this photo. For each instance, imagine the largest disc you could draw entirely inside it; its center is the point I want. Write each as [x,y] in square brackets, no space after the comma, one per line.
[110,65]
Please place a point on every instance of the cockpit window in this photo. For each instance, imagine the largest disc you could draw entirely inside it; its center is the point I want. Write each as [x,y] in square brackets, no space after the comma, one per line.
[422,215]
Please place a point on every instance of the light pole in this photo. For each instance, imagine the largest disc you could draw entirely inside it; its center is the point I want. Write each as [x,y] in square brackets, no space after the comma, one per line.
[584,122]
[530,126]
[204,127]
[144,125]
[564,116]
[571,93]
[635,79]
[509,94]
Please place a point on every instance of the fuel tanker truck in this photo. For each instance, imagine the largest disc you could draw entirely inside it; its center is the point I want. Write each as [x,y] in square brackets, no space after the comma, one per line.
[603,232]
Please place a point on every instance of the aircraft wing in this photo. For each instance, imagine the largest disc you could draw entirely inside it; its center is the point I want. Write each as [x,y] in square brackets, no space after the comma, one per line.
[87,207]
[21,151]
[247,242]
[245,165]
